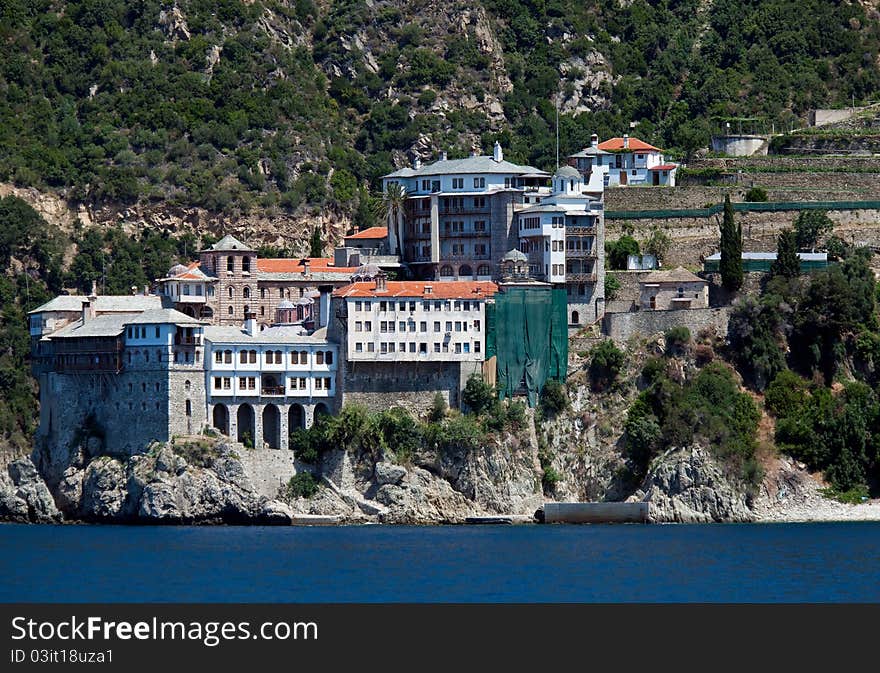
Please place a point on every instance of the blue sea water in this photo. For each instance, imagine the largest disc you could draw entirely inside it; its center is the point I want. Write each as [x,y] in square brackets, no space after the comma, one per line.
[817,562]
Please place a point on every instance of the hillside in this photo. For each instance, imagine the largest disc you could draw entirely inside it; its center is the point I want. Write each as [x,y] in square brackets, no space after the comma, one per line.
[291,109]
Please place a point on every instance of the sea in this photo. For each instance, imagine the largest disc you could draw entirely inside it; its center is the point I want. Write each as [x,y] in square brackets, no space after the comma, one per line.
[739,563]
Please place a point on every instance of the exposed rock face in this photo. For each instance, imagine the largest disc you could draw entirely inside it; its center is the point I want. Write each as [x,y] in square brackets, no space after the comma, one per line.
[688,486]
[24,497]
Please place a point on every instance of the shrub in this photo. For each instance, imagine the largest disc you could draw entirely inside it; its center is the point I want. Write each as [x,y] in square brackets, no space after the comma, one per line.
[400,432]
[305,444]
[612,286]
[554,398]
[606,362]
[653,370]
[516,414]
[677,338]
[550,478]
[703,354]
[786,395]
[478,395]
[438,408]
[756,194]
[302,485]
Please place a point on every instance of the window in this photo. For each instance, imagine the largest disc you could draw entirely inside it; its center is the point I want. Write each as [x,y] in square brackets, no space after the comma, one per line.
[319,358]
[227,383]
[246,293]
[402,326]
[302,383]
[218,357]
[467,347]
[458,348]
[426,306]
[358,305]
[227,357]
[230,310]
[319,384]
[218,382]
[383,348]
[371,347]
[466,306]
[476,346]
[368,306]
[423,348]
[402,347]
[246,264]
[281,293]
[437,326]
[479,182]
[230,264]
[447,306]
[262,293]
[262,311]
[383,326]
[358,326]
[157,331]
[476,325]
[401,306]
[359,347]
[448,325]
[423,326]
[458,326]
[412,347]
[303,357]
[458,183]
[457,305]
[129,333]
[368,325]
[242,357]
[253,357]
[328,357]
[231,292]
[438,305]
[412,306]
[326,383]
[383,305]
[436,347]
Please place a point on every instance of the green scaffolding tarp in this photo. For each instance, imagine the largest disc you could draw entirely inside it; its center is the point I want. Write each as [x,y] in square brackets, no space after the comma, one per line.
[756,207]
[528,334]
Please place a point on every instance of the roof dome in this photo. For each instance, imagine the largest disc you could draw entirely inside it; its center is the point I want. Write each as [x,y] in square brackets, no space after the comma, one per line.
[177,269]
[567,172]
[286,303]
[302,301]
[515,256]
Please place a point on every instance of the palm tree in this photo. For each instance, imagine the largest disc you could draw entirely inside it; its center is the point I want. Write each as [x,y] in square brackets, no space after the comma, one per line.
[391,210]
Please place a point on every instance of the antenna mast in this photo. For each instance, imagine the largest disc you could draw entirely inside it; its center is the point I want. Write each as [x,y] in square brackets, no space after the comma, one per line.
[557,131]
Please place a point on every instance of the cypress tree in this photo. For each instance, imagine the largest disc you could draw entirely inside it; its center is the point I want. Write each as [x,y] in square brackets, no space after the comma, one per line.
[316,245]
[787,263]
[731,250]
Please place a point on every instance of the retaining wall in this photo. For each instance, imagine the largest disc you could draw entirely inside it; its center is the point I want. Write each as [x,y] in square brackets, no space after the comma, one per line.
[622,326]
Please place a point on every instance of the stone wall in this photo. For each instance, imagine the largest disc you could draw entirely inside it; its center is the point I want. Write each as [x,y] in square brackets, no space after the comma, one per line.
[695,238]
[379,386]
[268,470]
[621,326]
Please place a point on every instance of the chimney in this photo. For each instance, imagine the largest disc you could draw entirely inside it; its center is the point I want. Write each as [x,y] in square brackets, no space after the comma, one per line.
[134,290]
[497,153]
[307,266]
[250,323]
[625,141]
[429,289]
[594,140]
[417,162]
[442,155]
[86,311]
[381,282]
[146,290]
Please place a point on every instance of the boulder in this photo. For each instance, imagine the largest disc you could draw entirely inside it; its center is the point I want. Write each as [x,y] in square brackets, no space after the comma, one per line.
[389,473]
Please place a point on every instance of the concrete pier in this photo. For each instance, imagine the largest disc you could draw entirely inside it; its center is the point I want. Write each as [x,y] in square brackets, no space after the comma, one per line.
[595,512]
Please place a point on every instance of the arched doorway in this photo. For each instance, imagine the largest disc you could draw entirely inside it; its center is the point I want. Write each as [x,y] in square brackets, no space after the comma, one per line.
[245,419]
[272,426]
[575,318]
[296,417]
[220,418]
[320,410]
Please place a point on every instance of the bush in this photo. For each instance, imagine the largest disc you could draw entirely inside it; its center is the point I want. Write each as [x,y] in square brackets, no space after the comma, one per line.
[478,395]
[606,363]
[755,195]
[438,408]
[612,286]
[786,395]
[302,485]
[305,444]
[554,398]
[400,433]
[677,338]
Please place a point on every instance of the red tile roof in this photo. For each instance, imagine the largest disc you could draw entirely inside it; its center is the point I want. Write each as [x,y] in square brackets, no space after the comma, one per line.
[188,275]
[614,144]
[296,265]
[453,289]
[372,232]
[664,167]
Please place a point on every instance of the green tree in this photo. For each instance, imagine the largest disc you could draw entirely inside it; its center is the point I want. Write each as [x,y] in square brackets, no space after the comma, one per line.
[658,244]
[810,226]
[316,245]
[390,210]
[787,263]
[617,252]
[478,395]
[554,398]
[731,249]
[606,362]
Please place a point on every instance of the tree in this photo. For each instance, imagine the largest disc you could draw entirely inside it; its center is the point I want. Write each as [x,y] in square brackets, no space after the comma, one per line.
[787,263]
[478,395]
[316,245]
[618,251]
[731,250]
[391,210]
[658,244]
[810,226]
[606,361]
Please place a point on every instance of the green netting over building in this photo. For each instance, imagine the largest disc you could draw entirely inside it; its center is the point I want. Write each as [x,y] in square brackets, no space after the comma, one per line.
[527,333]
[762,261]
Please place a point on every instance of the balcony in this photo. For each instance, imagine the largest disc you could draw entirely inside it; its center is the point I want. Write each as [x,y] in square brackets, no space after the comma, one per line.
[190,299]
[447,233]
[464,258]
[580,277]
[180,340]
[272,391]
[591,253]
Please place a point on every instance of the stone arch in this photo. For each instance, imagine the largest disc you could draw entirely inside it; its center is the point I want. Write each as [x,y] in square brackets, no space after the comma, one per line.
[246,424]
[272,426]
[575,318]
[465,270]
[446,271]
[220,418]
[296,417]
[206,312]
[321,409]
[484,270]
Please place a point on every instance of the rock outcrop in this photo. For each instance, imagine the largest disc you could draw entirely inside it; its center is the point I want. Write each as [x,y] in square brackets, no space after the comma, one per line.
[24,496]
[688,486]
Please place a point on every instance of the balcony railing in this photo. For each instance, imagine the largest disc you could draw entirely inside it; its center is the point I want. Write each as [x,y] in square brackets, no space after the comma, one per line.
[463,210]
[448,233]
[273,391]
[581,253]
[580,277]
[187,340]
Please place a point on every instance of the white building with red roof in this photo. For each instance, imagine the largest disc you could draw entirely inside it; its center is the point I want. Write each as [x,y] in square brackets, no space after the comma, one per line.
[622,162]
